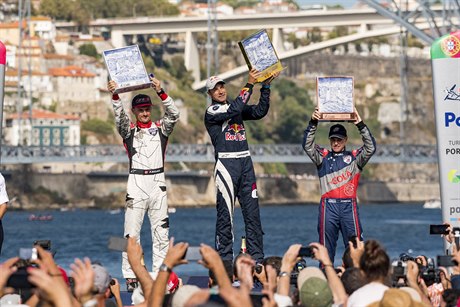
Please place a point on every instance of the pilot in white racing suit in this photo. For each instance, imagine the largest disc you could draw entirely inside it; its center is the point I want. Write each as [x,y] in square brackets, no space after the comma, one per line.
[145,142]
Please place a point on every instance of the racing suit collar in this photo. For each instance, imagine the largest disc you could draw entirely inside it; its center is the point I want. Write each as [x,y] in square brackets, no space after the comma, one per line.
[146,125]
[217,102]
[338,153]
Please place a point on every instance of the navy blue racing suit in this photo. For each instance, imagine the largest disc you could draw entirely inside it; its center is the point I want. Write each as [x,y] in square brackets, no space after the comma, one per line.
[234,172]
[339,175]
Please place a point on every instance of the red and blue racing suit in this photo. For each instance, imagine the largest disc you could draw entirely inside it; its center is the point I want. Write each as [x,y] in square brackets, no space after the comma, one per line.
[339,175]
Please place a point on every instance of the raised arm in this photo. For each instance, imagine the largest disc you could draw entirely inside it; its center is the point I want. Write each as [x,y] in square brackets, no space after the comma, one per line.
[135,258]
[254,112]
[122,121]
[338,290]
[172,113]
[173,258]
[365,152]
[308,143]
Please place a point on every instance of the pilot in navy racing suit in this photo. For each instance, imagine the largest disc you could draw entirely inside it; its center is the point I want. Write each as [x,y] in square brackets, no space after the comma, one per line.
[234,172]
[145,142]
[339,171]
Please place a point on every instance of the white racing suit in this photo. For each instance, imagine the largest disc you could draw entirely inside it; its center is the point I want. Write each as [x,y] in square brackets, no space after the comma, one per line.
[146,191]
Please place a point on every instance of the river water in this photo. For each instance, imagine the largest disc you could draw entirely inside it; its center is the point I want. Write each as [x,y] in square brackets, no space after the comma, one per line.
[400,227]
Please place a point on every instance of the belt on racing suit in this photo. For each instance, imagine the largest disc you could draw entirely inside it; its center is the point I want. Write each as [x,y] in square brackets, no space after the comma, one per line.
[138,171]
[237,154]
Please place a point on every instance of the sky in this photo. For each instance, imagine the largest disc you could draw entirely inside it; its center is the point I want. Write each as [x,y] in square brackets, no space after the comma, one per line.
[344,3]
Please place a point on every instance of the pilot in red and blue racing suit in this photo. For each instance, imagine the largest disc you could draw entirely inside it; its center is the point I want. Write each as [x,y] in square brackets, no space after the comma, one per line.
[339,174]
[234,172]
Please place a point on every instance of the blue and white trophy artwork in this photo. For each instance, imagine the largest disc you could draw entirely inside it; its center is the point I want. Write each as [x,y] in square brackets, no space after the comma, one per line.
[126,68]
[259,53]
[335,98]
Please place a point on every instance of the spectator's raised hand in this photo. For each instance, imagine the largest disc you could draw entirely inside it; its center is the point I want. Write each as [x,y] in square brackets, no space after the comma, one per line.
[50,288]
[450,236]
[175,255]
[290,257]
[211,258]
[111,86]
[7,269]
[134,251]
[244,269]
[83,275]
[356,253]
[46,262]
[320,253]
[271,283]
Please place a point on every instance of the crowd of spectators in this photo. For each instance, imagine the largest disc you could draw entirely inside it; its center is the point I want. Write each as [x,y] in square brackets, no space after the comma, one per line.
[367,277]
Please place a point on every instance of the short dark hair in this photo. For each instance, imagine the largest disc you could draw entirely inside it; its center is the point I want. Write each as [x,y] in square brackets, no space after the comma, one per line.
[352,279]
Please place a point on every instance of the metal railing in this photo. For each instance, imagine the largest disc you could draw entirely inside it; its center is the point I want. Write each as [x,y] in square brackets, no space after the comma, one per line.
[202,153]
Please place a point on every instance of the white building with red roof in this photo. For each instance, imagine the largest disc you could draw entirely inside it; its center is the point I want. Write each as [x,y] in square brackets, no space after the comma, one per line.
[48,129]
[74,83]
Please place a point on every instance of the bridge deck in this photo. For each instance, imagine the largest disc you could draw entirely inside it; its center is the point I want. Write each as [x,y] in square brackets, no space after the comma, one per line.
[201,153]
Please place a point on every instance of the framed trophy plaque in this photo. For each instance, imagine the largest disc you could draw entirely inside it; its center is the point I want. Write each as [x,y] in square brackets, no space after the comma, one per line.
[335,98]
[126,68]
[259,53]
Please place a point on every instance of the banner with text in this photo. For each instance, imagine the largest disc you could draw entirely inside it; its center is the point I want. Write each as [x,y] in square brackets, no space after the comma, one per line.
[445,61]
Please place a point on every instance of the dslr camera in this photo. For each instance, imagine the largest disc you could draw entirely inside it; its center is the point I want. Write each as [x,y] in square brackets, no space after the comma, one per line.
[400,269]
[299,266]
[430,274]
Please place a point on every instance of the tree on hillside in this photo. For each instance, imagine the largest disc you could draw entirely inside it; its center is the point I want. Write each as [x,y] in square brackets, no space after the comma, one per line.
[83,11]
[89,50]
[56,9]
[290,126]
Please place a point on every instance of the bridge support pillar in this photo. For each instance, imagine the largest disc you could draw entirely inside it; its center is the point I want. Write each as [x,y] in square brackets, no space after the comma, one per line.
[278,40]
[191,56]
[118,40]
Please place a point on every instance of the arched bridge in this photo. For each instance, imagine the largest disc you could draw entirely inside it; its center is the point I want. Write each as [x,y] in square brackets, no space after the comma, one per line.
[202,153]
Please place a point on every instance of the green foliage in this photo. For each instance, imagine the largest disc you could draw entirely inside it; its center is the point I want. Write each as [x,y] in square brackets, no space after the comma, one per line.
[290,126]
[89,50]
[82,11]
[338,32]
[98,126]
[176,68]
[413,41]
[275,168]
[238,3]
[53,196]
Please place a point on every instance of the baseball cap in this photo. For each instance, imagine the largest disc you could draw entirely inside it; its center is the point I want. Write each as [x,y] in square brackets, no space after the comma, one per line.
[101,278]
[338,131]
[313,288]
[212,81]
[394,298]
[141,100]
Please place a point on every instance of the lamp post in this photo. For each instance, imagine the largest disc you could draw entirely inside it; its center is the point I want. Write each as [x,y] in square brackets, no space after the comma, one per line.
[2,86]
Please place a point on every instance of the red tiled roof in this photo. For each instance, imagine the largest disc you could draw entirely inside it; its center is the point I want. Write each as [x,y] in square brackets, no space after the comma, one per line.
[42,114]
[70,71]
